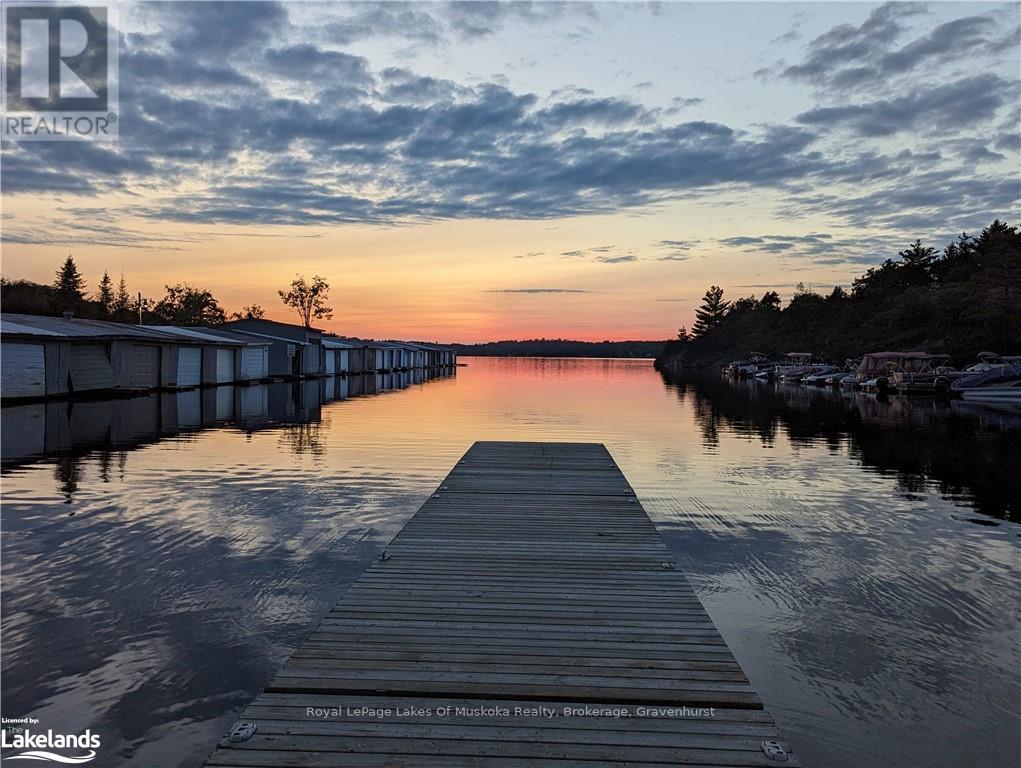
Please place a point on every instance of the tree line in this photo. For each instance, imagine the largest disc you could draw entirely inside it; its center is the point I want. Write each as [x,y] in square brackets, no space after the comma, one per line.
[182,304]
[959,301]
[560,348]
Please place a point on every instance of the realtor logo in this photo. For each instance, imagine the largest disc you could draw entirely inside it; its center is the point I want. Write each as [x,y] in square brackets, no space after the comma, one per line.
[59,72]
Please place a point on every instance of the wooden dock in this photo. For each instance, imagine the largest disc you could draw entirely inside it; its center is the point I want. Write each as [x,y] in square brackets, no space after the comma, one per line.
[528,614]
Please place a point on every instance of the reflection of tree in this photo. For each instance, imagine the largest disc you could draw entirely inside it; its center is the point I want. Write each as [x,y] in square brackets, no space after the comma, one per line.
[921,442]
[706,417]
[303,438]
[68,472]
[105,463]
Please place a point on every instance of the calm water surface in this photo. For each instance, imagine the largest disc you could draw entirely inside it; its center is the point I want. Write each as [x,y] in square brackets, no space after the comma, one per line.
[161,556]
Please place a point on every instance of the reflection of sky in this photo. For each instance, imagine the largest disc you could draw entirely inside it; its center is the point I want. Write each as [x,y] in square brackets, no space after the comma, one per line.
[875,621]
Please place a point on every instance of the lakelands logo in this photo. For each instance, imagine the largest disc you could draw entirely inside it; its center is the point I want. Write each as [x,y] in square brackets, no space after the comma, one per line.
[59,72]
[39,746]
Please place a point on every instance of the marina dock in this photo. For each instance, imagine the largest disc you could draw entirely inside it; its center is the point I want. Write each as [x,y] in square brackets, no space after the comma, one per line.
[529,614]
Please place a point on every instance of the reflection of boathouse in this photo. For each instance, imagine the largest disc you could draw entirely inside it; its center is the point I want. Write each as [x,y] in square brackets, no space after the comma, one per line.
[42,429]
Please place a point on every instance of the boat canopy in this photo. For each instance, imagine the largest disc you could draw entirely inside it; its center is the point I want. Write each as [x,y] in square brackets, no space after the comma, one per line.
[800,355]
[911,361]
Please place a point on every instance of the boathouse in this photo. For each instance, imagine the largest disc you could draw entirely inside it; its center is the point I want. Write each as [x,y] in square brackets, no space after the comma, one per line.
[336,356]
[294,350]
[52,356]
[217,356]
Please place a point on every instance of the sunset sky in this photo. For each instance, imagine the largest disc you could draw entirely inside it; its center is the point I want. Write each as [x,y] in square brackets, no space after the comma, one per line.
[474,171]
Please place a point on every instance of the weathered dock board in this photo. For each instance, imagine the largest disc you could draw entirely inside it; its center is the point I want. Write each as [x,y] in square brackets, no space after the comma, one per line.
[532,582]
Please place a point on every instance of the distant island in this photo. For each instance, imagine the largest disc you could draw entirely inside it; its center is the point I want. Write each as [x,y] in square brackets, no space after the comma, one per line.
[560,348]
[959,301]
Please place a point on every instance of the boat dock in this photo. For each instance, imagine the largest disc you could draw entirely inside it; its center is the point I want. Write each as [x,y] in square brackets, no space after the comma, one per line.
[529,614]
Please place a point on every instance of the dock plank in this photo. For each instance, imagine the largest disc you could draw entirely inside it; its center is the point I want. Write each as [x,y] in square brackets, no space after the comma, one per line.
[529,614]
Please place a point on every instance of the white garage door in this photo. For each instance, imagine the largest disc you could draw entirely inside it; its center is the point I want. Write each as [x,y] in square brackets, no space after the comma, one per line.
[189,366]
[254,363]
[23,370]
[90,367]
[144,366]
[224,366]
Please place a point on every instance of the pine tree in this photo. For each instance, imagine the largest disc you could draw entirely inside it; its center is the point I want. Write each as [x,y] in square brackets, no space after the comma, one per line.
[122,302]
[69,287]
[682,335]
[918,255]
[105,294]
[712,311]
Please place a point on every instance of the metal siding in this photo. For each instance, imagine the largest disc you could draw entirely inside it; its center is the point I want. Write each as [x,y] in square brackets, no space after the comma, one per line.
[23,370]
[189,366]
[331,361]
[310,358]
[224,366]
[144,366]
[344,360]
[90,367]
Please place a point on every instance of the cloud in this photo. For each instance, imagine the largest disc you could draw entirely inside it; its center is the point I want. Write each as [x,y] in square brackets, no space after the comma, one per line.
[820,248]
[602,254]
[308,64]
[482,18]
[388,148]
[291,129]
[947,108]
[677,103]
[675,250]
[364,21]
[403,86]
[530,255]
[846,47]
[869,59]
[537,290]
[790,36]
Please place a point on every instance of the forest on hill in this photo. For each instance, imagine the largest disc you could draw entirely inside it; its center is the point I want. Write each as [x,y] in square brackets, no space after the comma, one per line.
[959,301]
[560,348]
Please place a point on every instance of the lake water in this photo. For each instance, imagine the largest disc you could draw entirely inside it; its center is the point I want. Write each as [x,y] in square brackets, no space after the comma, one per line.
[161,556]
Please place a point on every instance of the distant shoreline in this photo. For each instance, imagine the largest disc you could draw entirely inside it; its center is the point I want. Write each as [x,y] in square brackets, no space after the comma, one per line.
[562,348]
[650,358]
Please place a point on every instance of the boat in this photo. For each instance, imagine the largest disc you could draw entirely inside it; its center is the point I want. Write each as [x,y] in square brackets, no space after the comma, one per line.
[800,364]
[819,376]
[986,362]
[903,372]
[845,376]
[1001,384]
[921,375]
